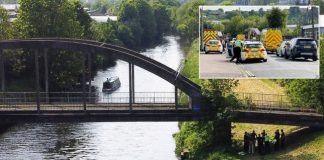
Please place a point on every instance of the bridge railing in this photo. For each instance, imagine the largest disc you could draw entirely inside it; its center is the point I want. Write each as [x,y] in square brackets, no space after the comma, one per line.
[77,97]
[75,100]
[261,101]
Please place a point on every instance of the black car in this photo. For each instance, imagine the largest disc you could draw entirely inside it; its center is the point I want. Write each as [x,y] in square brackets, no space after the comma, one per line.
[301,47]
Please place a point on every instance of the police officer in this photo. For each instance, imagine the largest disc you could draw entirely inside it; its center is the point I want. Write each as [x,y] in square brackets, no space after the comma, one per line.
[282,139]
[237,51]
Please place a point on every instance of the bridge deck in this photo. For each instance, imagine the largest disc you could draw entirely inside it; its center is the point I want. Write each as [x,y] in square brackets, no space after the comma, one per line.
[279,117]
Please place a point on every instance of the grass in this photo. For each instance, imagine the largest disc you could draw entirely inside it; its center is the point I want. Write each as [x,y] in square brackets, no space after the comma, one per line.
[259,86]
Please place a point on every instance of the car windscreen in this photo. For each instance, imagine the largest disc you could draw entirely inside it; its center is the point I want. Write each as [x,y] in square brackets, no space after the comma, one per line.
[306,42]
[254,45]
[213,42]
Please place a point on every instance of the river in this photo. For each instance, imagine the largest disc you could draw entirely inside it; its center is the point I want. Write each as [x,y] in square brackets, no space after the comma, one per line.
[111,140]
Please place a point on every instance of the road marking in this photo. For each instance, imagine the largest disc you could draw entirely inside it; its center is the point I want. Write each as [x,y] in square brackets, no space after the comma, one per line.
[245,72]
[250,74]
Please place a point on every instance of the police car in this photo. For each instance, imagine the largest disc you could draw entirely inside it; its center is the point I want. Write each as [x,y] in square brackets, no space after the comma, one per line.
[253,50]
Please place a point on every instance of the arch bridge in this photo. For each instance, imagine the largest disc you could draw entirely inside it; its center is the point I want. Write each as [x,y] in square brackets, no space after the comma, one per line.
[85,106]
[130,105]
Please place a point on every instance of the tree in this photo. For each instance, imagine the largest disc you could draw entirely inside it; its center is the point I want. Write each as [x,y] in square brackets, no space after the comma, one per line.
[84,19]
[59,18]
[4,24]
[138,16]
[186,20]
[277,18]
[162,17]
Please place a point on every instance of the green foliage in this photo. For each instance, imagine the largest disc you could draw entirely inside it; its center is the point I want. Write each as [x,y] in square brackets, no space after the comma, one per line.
[205,136]
[138,16]
[239,24]
[162,17]
[277,18]
[5,26]
[186,19]
[106,32]
[83,18]
[58,19]
[101,5]
[191,67]
[226,3]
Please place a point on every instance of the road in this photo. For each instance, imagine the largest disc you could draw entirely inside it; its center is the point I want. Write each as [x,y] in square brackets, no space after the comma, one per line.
[217,66]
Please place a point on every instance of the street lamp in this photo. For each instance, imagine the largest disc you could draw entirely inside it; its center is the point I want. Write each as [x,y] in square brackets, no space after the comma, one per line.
[312,8]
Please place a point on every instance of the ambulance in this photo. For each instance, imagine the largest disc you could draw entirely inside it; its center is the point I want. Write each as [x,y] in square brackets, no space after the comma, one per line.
[272,39]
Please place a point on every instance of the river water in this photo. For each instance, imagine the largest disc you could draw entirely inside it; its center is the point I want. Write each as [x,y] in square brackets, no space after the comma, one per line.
[109,141]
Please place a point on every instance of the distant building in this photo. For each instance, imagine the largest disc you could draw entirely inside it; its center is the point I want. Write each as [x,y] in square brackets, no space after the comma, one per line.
[103,19]
[242,2]
[291,26]
[287,2]
[302,2]
[321,24]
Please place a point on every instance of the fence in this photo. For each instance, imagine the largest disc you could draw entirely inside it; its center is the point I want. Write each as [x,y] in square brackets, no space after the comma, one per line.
[270,102]
[77,97]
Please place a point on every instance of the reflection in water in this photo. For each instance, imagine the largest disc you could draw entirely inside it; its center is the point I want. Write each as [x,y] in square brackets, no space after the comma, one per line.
[132,140]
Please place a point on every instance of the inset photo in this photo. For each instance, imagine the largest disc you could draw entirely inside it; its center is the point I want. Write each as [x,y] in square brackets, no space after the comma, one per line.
[264,42]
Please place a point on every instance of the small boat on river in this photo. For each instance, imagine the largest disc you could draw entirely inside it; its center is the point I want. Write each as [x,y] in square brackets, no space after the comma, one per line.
[111,85]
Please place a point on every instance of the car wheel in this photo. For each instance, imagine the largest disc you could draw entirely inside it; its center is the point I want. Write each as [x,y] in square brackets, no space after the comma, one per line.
[292,56]
[315,58]
[286,55]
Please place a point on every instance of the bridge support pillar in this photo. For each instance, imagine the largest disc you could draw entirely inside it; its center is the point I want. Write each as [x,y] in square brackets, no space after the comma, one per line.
[46,74]
[130,86]
[89,74]
[37,80]
[83,82]
[176,98]
[133,84]
[2,71]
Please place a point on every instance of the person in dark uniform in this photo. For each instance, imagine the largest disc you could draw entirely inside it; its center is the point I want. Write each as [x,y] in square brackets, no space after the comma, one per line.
[253,138]
[282,139]
[277,138]
[260,144]
[246,142]
[237,51]
[263,133]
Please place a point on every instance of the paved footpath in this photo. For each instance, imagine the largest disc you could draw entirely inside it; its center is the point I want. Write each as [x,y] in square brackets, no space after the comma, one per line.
[218,66]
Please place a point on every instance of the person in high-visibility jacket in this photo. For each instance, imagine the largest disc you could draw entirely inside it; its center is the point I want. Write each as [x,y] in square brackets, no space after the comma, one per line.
[237,50]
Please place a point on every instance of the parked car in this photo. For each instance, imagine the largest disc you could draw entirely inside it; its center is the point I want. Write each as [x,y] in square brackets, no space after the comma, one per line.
[281,50]
[253,50]
[301,47]
[214,45]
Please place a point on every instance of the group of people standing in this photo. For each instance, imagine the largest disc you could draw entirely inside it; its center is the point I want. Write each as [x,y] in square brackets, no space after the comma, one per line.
[263,142]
